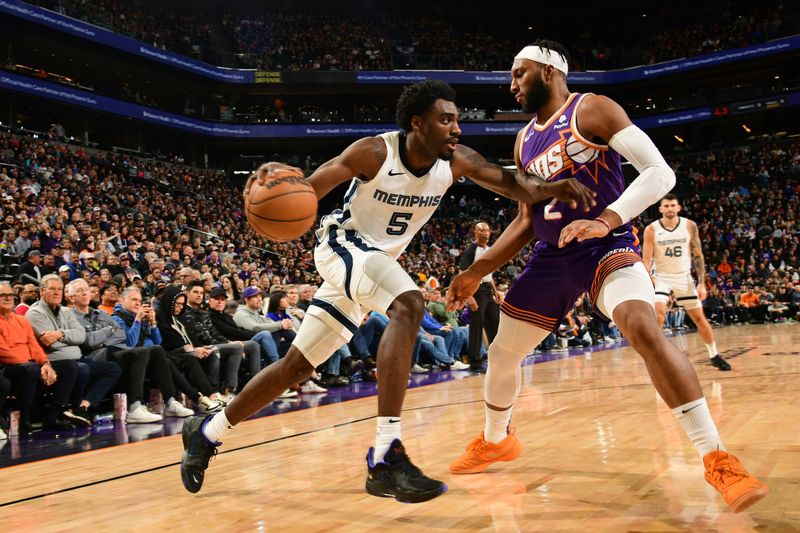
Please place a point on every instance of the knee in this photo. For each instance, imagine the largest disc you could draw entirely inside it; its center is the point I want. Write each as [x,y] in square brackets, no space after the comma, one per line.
[156,351]
[409,307]
[114,369]
[32,373]
[70,368]
[639,327]
[296,366]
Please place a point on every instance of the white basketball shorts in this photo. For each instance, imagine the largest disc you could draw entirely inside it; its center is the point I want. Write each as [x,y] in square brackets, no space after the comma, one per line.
[358,278]
[681,284]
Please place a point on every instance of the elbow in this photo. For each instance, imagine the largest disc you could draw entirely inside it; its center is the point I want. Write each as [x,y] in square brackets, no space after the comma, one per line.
[668,179]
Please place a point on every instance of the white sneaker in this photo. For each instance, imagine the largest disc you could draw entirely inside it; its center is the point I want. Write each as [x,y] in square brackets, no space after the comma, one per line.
[416,369]
[207,406]
[3,435]
[458,365]
[142,415]
[608,340]
[227,398]
[175,409]
[309,387]
[288,393]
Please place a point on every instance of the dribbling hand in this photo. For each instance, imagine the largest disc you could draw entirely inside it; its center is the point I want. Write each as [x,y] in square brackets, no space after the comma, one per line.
[263,172]
[461,289]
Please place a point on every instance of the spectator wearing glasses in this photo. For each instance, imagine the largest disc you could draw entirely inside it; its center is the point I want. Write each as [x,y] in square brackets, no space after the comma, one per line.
[61,335]
[109,296]
[24,363]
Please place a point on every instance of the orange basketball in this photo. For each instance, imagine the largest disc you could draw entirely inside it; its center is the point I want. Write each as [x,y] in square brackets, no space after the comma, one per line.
[284,207]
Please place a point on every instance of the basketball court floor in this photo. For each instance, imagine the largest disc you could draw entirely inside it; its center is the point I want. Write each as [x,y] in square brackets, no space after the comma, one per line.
[602,453]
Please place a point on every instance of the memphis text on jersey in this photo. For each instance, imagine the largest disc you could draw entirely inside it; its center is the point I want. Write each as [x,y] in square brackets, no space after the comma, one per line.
[404,200]
[667,242]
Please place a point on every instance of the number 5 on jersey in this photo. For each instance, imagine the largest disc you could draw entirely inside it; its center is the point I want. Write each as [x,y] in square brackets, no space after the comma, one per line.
[398,223]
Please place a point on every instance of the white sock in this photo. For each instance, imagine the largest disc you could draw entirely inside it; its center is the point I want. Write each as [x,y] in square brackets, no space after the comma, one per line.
[388,430]
[216,428]
[712,350]
[695,418]
[496,426]
[134,406]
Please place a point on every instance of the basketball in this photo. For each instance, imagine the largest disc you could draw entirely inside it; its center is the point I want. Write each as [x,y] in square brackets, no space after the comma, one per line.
[282,208]
[579,152]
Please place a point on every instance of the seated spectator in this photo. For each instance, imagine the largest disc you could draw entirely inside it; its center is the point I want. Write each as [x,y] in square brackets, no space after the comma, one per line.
[106,340]
[776,311]
[276,311]
[141,330]
[65,272]
[203,333]
[367,337]
[751,309]
[224,324]
[431,350]
[455,339]
[249,317]
[61,336]
[231,288]
[24,364]
[189,359]
[305,295]
[28,297]
[438,309]
[294,312]
[30,271]
[109,296]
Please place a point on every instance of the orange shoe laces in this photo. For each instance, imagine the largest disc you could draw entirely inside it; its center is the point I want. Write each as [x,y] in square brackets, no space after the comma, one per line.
[722,467]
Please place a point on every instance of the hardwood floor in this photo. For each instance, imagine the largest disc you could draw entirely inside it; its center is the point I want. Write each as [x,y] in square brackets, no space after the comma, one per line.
[602,453]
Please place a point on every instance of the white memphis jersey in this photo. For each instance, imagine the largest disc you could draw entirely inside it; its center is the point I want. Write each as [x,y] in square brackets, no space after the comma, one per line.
[671,251]
[388,210]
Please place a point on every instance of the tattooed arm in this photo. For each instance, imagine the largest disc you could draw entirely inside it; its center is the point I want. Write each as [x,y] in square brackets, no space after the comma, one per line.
[470,163]
[695,245]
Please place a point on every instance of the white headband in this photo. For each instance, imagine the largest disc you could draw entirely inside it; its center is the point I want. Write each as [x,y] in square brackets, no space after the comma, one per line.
[544,55]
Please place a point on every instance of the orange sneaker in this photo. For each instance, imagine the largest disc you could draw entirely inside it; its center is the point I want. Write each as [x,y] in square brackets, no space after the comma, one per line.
[479,454]
[726,474]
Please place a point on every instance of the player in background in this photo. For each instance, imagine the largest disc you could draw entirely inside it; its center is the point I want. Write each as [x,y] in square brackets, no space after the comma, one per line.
[397,180]
[584,136]
[670,244]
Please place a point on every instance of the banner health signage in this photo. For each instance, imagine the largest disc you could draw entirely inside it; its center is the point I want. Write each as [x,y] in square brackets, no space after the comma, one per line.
[103,104]
[105,37]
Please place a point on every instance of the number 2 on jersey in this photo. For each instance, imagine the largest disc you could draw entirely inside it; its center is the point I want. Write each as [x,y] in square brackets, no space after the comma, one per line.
[398,223]
[550,212]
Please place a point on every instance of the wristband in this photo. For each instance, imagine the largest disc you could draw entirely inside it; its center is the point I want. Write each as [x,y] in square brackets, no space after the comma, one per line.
[607,225]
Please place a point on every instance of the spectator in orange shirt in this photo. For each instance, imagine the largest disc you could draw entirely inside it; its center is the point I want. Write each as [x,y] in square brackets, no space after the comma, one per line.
[750,306]
[24,363]
[724,269]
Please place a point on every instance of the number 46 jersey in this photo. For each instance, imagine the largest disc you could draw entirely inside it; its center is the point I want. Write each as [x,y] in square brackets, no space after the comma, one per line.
[671,248]
[388,210]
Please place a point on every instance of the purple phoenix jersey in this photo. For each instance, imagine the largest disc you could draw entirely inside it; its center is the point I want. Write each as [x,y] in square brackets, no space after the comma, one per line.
[555,277]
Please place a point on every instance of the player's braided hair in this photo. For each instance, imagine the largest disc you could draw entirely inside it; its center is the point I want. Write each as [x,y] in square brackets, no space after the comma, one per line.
[418,98]
[554,46]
